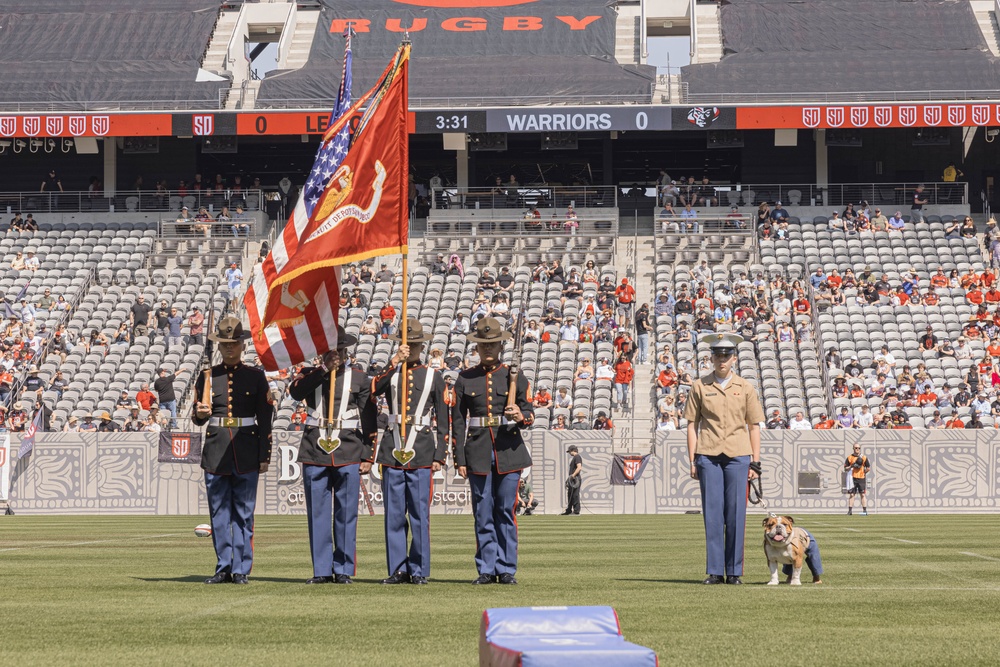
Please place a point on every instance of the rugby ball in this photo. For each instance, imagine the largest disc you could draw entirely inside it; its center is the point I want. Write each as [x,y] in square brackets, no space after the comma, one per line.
[203,530]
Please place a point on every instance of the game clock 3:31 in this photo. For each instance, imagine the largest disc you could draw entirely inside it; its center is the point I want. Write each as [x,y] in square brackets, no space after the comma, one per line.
[431,122]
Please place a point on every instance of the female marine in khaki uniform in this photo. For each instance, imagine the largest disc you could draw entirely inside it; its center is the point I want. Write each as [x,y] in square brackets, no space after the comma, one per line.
[723,435]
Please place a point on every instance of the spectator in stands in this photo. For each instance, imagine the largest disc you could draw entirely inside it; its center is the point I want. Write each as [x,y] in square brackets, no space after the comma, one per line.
[562,399]
[543,397]
[916,208]
[688,221]
[779,214]
[569,332]
[174,323]
[196,325]
[384,275]
[18,262]
[968,228]
[139,316]
[624,374]
[166,399]
[459,325]
[602,423]
[438,266]
[896,222]
[936,422]
[31,262]
[584,371]
[579,421]
[799,422]
[203,222]
[52,183]
[776,422]
[387,319]
[604,372]
[370,327]
[642,330]
[824,423]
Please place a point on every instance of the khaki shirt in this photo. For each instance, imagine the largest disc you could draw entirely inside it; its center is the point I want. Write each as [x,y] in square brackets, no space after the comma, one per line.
[722,416]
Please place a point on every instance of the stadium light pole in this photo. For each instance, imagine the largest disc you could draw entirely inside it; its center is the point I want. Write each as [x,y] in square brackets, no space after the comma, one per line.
[694,28]
[643,54]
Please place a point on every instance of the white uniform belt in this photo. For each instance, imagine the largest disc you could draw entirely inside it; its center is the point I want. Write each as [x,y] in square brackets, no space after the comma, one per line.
[334,423]
[232,422]
[484,422]
[410,419]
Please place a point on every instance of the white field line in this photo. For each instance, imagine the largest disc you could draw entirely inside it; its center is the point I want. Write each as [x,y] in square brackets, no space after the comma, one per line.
[990,558]
[56,545]
[896,539]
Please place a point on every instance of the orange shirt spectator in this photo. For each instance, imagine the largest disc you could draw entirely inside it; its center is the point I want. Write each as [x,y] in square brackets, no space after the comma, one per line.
[857,392]
[954,422]
[625,293]
[993,349]
[926,398]
[974,295]
[939,279]
[931,299]
[968,279]
[387,313]
[145,398]
[992,295]
[801,306]
[972,330]
[825,424]
[543,398]
[987,278]
[624,373]
[666,379]
[834,280]
[903,297]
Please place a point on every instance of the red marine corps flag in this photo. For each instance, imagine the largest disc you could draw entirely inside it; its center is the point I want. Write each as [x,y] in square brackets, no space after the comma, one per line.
[353,206]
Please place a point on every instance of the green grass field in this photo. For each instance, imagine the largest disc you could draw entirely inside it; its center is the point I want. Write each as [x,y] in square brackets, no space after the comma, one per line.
[922,590]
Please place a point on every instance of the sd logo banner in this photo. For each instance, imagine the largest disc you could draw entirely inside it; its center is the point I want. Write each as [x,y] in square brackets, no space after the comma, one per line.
[180,448]
[627,469]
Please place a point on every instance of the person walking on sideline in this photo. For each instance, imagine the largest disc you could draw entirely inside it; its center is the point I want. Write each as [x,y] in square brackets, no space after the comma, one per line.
[859,465]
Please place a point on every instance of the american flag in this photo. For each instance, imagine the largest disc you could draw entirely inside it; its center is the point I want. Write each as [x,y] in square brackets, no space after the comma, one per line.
[331,152]
[283,347]
[359,175]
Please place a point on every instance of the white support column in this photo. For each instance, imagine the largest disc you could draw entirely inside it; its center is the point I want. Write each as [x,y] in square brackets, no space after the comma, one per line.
[110,166]
[822,160]
[462,168]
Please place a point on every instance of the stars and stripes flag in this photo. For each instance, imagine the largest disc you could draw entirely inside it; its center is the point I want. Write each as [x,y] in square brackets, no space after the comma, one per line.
[353,207]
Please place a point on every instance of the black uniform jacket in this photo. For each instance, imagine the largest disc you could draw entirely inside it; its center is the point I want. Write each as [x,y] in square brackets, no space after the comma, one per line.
[237,391]
[430,441]
[356,444]
[482,393]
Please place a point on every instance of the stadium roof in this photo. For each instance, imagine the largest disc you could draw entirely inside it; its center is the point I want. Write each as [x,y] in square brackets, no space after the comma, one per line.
[70,53]
[470,57]
[813,46]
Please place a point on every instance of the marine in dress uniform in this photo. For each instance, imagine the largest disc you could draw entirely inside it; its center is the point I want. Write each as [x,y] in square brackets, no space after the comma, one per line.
[409,463]
[723,436]
[334,454]
[490,450]
[237,450]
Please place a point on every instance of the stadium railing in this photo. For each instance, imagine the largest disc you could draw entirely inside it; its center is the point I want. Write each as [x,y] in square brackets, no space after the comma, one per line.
[833,194]
[133,201]
[525,196]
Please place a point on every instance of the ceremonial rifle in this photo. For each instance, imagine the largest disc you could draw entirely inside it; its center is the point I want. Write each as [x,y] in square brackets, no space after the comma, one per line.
[206,390]
[515,360]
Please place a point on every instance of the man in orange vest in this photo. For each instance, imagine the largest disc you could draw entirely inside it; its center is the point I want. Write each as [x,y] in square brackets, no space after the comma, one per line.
[859,465]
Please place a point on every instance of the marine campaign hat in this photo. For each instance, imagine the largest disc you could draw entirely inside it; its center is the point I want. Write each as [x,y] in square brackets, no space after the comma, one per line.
[344,339]
[414,332]
[489,330]
[230,331]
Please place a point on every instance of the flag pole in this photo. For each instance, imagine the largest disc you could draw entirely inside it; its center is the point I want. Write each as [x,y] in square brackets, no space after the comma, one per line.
[403,379]
[404,250]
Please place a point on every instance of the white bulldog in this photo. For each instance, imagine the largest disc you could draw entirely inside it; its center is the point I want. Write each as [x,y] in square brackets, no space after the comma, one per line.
[784,544]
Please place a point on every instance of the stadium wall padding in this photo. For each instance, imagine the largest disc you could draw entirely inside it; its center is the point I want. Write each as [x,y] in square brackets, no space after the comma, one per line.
[914,471]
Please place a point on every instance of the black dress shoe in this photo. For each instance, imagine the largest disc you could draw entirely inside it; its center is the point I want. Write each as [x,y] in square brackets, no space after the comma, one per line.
[240,579]
[398,578]
[320,580]
[566,513]
[736,581]
[483,579]
[419,580]
[220,578]
[342,579]
[506,579]
[714,579]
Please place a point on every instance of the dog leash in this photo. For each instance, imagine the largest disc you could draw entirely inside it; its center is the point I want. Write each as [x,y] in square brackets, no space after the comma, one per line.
[755,491]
